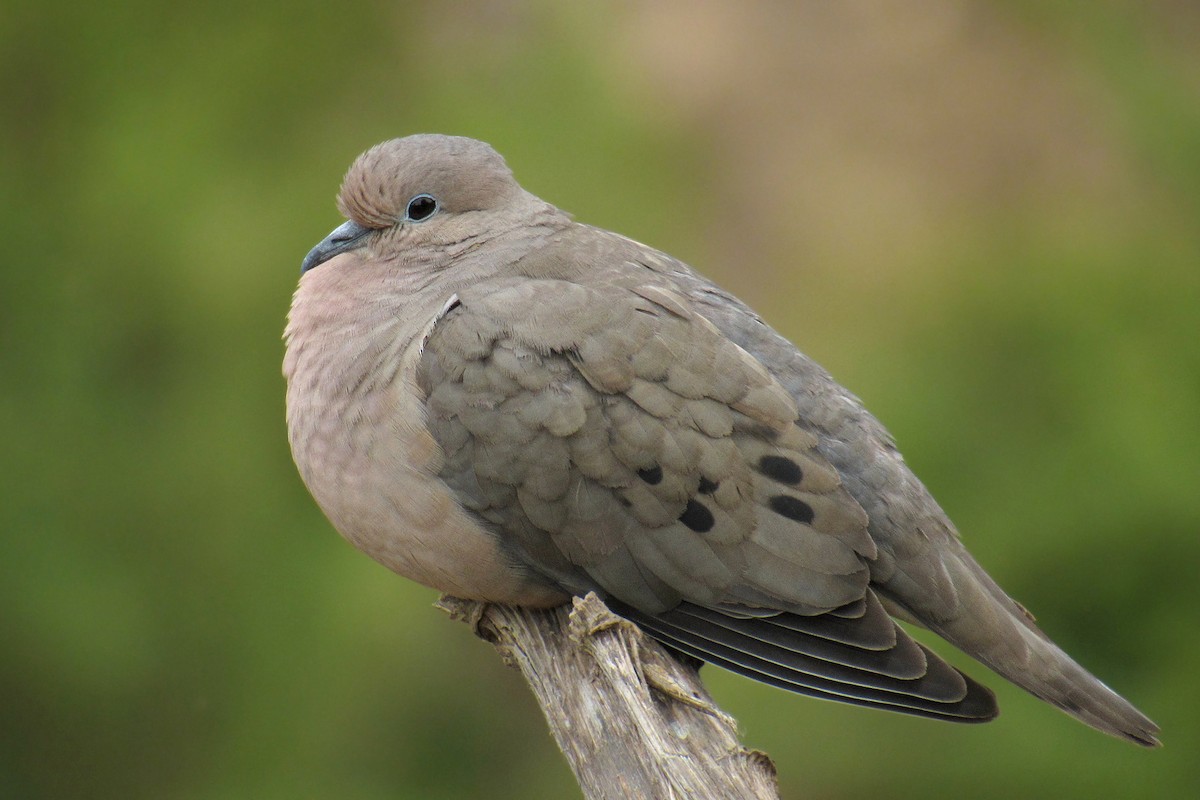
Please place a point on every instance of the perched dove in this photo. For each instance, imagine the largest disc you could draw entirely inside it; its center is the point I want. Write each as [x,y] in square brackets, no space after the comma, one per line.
[506,405]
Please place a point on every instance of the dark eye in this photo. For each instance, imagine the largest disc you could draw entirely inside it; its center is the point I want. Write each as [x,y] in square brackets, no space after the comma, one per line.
[420,208]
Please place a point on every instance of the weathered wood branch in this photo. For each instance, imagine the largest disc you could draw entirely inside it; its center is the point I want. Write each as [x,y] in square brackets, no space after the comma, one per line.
[633,722]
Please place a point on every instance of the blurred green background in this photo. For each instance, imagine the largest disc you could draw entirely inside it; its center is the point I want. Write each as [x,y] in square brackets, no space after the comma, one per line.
[983,217]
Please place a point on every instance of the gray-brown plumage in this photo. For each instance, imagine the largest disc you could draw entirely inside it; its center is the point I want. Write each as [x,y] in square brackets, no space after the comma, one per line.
[506,405]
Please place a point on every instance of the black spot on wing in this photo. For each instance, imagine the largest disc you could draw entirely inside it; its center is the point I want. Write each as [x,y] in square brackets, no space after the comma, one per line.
[782,469]
[707,486]
[697,517]
[651,475]
[791,507]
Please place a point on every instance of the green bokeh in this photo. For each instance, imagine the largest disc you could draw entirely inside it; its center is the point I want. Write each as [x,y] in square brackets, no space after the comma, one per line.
[177,620]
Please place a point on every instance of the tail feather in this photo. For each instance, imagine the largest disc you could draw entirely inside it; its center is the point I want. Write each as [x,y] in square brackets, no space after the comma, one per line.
[994,629]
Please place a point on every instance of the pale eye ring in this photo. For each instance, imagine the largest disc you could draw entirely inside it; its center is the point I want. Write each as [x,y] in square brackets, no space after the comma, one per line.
[421,208]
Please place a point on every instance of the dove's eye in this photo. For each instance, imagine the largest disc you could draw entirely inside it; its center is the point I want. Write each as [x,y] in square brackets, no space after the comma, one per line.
[421,208]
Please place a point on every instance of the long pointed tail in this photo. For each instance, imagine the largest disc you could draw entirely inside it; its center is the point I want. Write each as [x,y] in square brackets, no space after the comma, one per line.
[989,626]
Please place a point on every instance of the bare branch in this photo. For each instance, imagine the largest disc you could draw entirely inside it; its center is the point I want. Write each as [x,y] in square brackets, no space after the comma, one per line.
[632,721]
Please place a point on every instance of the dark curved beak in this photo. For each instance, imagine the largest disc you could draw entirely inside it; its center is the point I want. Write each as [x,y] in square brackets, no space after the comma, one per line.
[343,238]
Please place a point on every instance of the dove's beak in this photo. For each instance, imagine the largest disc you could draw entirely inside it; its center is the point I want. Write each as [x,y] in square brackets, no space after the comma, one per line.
[343,238]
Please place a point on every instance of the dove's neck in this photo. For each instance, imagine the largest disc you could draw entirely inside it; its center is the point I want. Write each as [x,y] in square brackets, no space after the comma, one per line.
[354,319]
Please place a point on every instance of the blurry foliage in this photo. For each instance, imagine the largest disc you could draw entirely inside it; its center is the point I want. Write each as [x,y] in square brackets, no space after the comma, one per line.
[177,618]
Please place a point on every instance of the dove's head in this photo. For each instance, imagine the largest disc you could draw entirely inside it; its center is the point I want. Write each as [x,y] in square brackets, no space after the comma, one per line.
[426,190]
